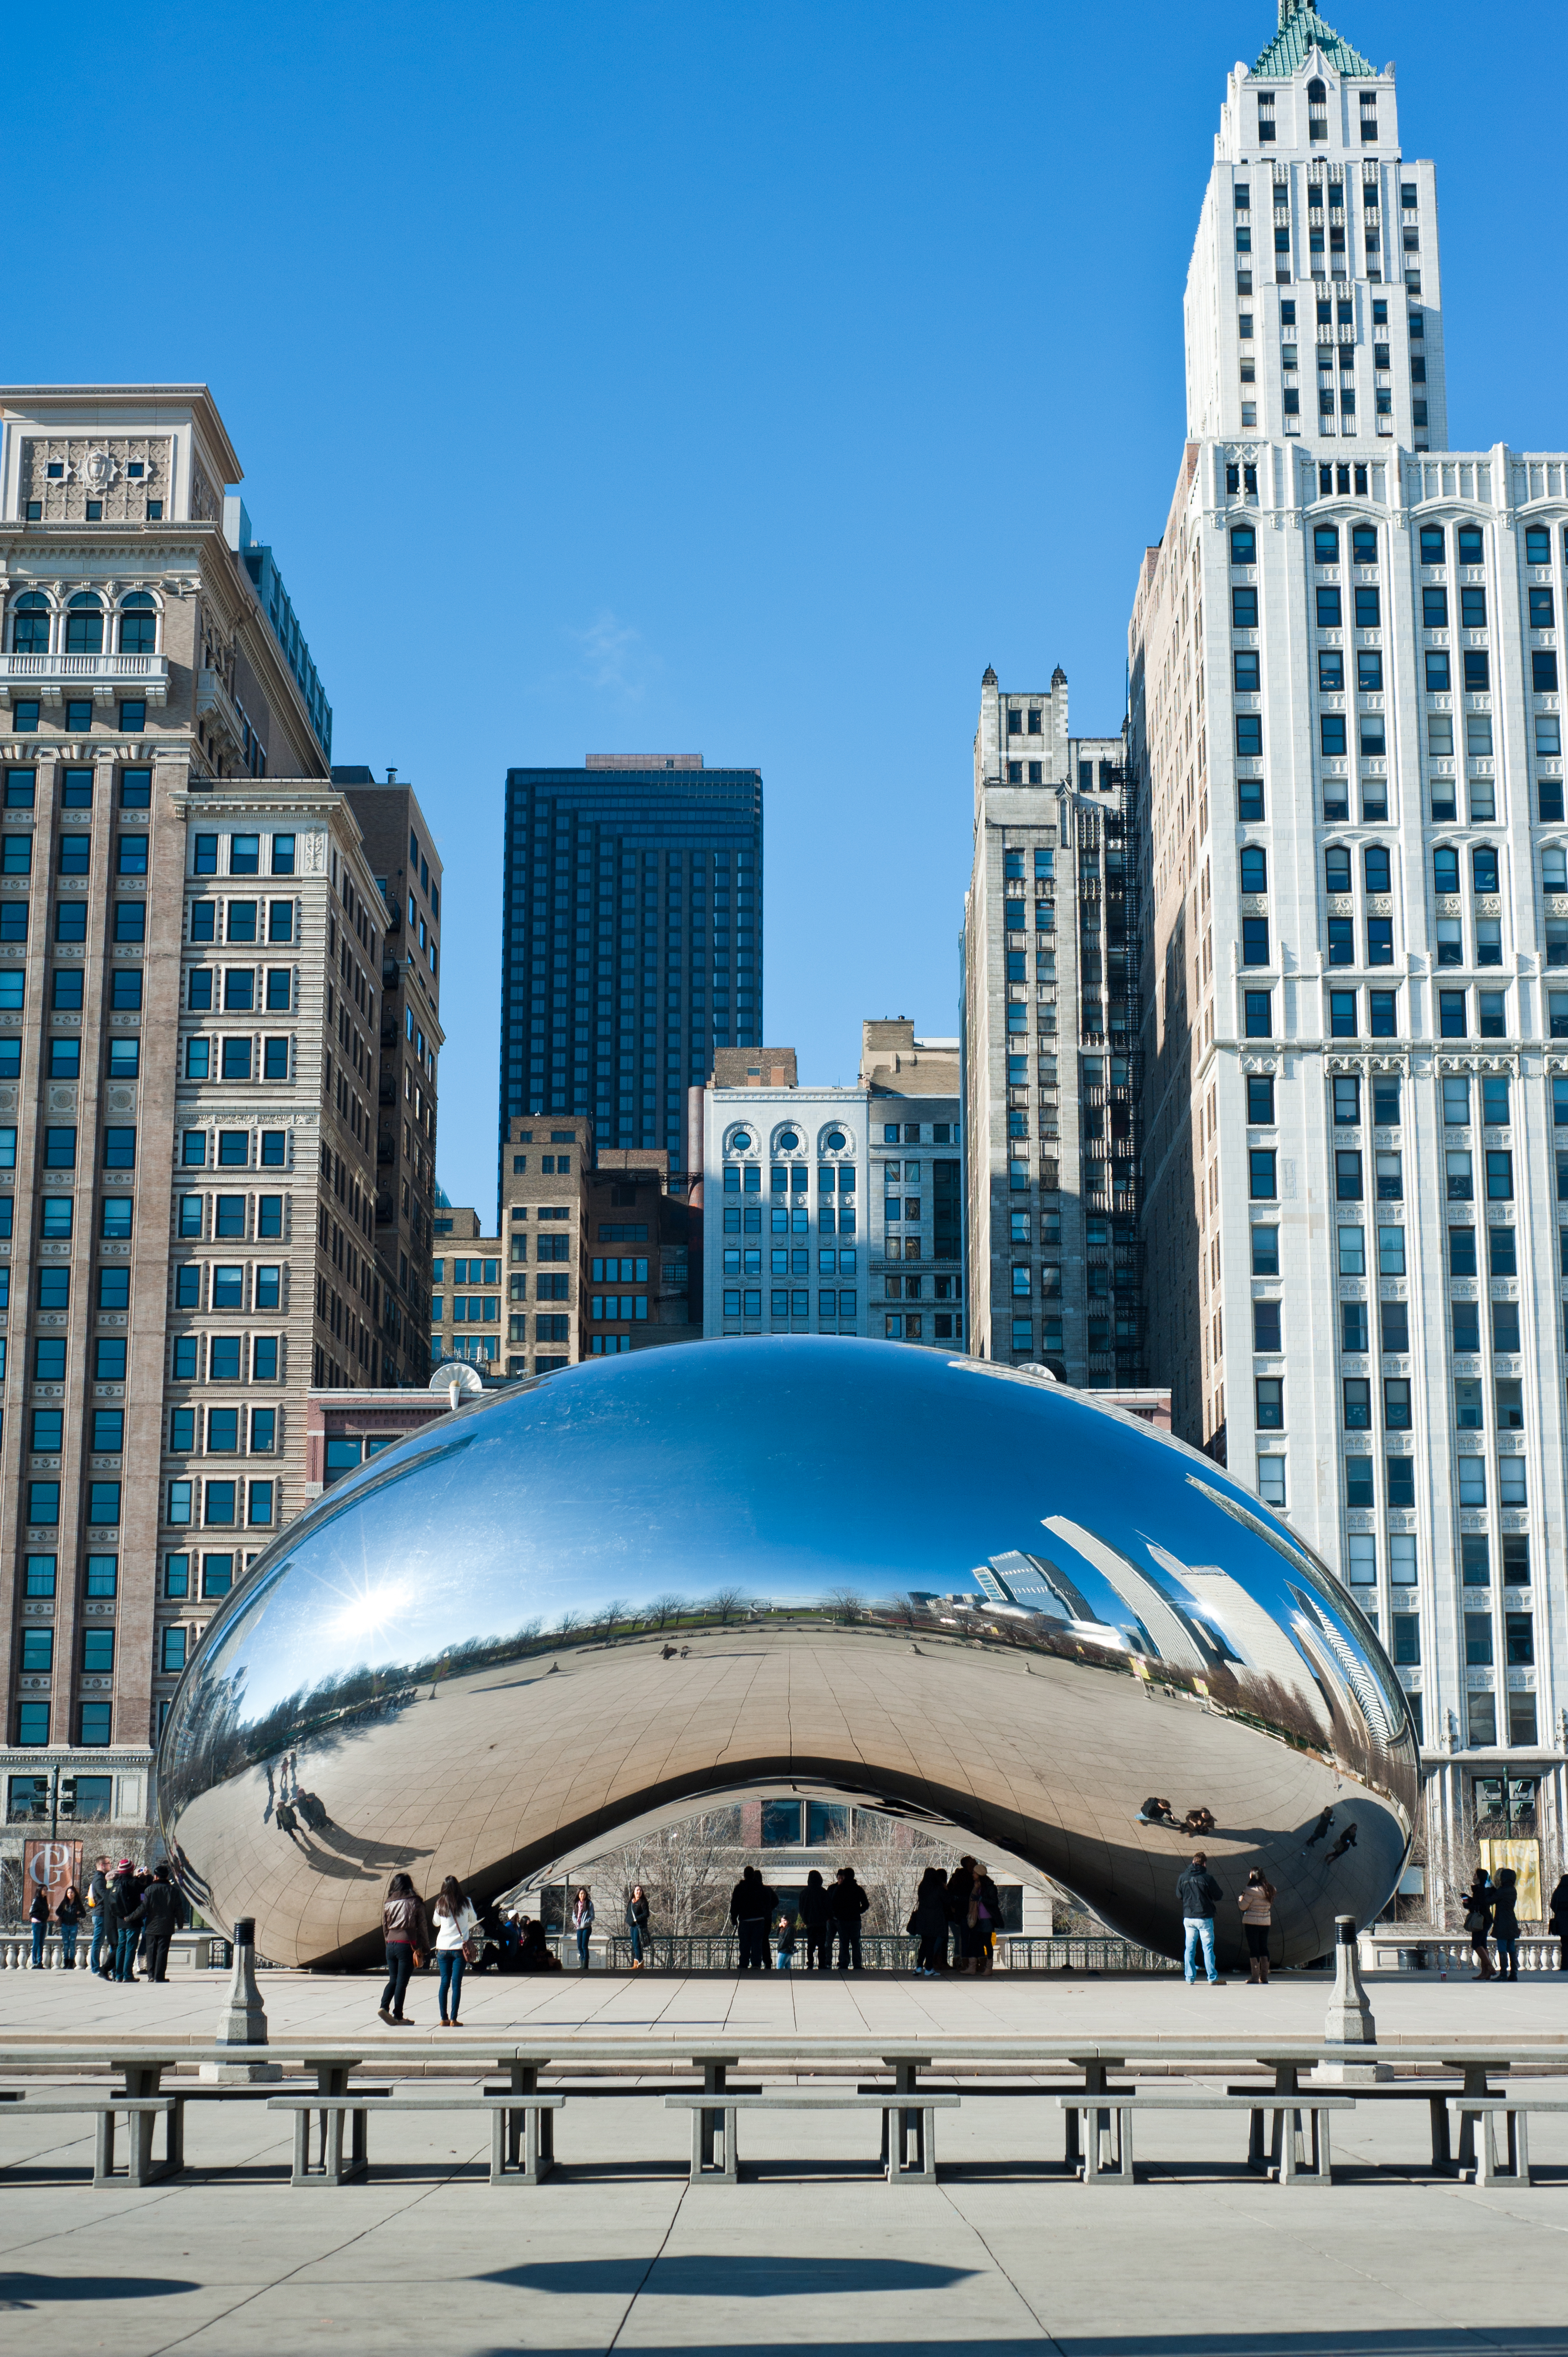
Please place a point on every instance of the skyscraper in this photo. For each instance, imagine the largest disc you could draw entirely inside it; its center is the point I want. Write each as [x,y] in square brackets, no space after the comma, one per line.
[400,845]
[633,940]
[191,966]
[1050,1046]
[1344,740]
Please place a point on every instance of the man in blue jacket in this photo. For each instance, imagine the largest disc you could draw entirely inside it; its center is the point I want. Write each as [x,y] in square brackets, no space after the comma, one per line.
[1198,1892]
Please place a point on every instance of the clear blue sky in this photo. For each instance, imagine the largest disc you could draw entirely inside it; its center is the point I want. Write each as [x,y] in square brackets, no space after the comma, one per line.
[712,378]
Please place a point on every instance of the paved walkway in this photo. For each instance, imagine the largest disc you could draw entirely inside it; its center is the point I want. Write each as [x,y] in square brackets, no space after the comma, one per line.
[621,2253]
[60,2005]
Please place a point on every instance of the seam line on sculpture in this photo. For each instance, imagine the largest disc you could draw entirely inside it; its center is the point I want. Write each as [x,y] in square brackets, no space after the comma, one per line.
[642,2281]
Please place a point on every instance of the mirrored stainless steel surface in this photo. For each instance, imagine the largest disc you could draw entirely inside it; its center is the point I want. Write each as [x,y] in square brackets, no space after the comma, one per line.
[627,1589]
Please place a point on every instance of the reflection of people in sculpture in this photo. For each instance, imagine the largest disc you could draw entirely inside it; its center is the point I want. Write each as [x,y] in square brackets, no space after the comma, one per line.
[1198,1821]
[311,1810]
[1319,1830]
[287,1822]
[1158,1812]
[1346,1840]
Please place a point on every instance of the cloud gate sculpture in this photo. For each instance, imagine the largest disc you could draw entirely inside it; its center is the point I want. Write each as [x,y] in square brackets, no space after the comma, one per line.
[850,1570]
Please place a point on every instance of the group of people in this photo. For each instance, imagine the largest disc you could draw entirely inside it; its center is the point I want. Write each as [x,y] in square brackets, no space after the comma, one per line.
[126,1914]
[1155,1812]
[829,1914]
[1492,1913]
[412,1933]
[1199,1894]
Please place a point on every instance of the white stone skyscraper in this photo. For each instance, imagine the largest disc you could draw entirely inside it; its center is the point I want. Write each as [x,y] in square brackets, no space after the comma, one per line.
[1345,741]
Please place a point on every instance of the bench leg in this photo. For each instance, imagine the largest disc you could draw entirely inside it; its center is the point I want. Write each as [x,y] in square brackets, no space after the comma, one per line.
[1255,2157]
[499,2124]
[301,2171]
[1441,2143]
[1515,2169]
[539,2145]
[901,2127]
[174,2138]
[103,2151]
[139,2171]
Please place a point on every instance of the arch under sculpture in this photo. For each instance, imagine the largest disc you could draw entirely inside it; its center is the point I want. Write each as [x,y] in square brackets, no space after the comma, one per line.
[463,1659]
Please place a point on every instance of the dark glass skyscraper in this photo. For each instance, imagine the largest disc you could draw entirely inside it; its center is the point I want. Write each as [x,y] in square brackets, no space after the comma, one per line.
[634,940]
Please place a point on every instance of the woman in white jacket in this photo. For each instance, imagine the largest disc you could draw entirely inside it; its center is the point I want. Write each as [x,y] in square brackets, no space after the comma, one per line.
[455,1923]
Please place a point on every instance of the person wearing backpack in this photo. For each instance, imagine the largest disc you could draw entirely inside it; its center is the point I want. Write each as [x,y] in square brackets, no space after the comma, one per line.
[457,1922]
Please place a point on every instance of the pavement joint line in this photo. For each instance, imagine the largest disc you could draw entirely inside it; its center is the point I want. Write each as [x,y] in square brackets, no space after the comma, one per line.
[642,2282]
[1019,2294]
[275,2283]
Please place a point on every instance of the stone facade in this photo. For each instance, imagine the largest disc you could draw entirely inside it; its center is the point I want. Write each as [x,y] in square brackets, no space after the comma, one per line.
[191,965]
[401,847]
[1345,734]
[1051,1047]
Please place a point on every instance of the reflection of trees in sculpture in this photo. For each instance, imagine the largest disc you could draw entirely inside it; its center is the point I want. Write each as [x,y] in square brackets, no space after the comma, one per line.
[682,1870]
[889,1858]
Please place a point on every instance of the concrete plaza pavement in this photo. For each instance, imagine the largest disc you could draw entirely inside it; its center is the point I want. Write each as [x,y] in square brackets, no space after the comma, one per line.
[619,2252]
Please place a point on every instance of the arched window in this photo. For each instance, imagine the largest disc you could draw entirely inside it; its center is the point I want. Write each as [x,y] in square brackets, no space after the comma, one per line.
[139,624]
[30,624]
[84,626]
[1315,95]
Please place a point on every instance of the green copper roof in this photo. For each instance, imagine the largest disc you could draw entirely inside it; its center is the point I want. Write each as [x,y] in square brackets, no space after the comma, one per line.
[1302,30]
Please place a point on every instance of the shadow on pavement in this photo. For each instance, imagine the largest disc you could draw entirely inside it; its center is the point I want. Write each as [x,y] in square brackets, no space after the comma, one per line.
[18,2291]
[727,2275]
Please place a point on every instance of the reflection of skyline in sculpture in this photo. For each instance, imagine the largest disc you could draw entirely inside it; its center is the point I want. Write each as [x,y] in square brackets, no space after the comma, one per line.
[471,1645]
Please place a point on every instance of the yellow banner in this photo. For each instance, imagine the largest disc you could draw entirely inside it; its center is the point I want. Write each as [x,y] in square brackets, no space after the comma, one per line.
[1524,1856]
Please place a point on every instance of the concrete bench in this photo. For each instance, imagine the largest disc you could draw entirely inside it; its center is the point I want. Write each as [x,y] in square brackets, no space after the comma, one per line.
[522,2147]
[1299,2158]
[140,2113]
[353,2104]
[714,2114]
[1424,2091]
[1514,2110]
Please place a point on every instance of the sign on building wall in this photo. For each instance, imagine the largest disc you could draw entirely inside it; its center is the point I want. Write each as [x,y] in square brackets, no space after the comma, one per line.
[1524,1856]
[49,1866]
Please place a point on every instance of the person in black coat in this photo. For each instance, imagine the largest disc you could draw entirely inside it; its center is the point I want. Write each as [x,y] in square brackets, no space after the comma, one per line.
[1557,1921]
[1198,1894]
[848,1903]
[158,1919]
[960,1889]
[38,1916]
[930,1921]
[815,1919]
[751,1909]
[1505,1924]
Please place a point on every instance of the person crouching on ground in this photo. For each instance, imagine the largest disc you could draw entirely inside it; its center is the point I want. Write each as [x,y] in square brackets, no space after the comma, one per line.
[455,1923]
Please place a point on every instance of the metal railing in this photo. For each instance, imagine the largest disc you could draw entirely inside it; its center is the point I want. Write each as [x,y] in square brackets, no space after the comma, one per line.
[881,1952]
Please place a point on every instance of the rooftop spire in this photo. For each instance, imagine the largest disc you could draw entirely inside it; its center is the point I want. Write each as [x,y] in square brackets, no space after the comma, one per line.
[1302,30]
